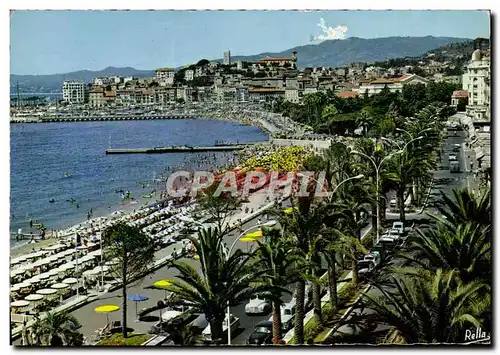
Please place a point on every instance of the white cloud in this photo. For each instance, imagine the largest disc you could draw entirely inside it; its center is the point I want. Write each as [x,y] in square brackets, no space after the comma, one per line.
[338,32]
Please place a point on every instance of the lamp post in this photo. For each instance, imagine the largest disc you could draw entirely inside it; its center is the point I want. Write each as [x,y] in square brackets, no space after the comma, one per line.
[102,256]
[360,176]
[404,148]
[228,253]
[377,170]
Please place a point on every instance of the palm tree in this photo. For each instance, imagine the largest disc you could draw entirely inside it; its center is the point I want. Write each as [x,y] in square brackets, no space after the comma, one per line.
[464,248]
[365,120]
[465,207]
[135,253]
[220,283]
[57,329]
[329,112]
[303,225]
[280,269]
[435,308]
[351,248]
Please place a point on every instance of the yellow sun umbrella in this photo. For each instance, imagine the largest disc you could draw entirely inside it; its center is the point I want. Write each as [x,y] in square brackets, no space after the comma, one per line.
[256,234]
[107,309]
[196,257]
[247,239]
[290,210]
[164,284]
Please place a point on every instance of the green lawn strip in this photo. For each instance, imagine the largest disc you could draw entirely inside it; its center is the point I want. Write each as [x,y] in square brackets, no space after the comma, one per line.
[351,293]
[118,340]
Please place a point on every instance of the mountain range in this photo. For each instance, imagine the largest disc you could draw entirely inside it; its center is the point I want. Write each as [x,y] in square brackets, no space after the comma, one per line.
[331,53]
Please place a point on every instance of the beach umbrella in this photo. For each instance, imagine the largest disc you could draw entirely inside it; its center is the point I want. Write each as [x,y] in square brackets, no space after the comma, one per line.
[163,284]
[60,287]
[24,284]
[107,309]
[290,210]
[43,276]
[15,288]
[70,281]
[256,234]
[19,304]
[247,240]
[86,258]
[137,298]
[34,297]
[112,262]
[46,291]
[41,262]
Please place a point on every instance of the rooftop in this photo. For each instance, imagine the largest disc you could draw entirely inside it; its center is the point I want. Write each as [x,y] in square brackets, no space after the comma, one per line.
[460,93]
[347,94]
[164,69]
[264,90]
[275,60]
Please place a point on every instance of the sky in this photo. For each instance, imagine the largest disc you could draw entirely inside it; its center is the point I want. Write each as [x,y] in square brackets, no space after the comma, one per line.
[48,42]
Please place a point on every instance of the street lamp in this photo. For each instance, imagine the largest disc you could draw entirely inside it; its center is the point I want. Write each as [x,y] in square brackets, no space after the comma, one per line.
[228,253]
[360,176]
[377,170]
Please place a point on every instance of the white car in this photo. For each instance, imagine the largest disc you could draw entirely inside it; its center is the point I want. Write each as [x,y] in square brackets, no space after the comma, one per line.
[398,226]
[258,305]
[235,324]
[287,315]
[452,157]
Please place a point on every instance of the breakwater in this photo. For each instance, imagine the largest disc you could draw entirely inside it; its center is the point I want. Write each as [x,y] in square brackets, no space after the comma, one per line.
[49,119]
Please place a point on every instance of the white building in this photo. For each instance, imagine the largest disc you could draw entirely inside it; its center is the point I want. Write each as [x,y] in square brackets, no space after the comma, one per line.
[227,58]
[189,75]
[292,95]
[477,83]
[165,76]
[102,81]
[394,85]
[75,92]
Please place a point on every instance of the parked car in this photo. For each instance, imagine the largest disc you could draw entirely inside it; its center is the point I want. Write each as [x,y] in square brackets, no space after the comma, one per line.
[262,333]
[258,305]
[287,315]
[452,157]
[373,256]
[235,324]
[456,147]
[399,226]
[389,243]
[365,268]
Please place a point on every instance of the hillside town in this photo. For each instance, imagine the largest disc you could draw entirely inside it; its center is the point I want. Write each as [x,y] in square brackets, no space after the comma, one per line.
[359,212]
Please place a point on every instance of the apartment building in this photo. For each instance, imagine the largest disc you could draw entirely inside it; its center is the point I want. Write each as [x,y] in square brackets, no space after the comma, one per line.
[476,81]
[75,92]
[165,76]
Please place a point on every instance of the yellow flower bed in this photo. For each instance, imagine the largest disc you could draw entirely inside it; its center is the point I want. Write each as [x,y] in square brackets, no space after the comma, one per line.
[280,159]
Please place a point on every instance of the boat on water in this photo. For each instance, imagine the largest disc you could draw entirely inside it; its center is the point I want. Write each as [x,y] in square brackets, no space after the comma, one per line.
[68,175]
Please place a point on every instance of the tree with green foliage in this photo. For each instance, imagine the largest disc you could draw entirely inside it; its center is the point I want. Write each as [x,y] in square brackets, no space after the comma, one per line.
[56,329]
[134,251]
[221,281]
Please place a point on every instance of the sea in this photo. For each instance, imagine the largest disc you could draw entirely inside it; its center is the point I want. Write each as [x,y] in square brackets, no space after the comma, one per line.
[59,171]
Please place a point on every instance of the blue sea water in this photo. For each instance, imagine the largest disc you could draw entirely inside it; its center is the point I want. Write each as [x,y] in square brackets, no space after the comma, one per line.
[41,154]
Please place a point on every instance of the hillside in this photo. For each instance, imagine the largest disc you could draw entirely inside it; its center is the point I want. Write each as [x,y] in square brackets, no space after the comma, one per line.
[53,82]
[334,53]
